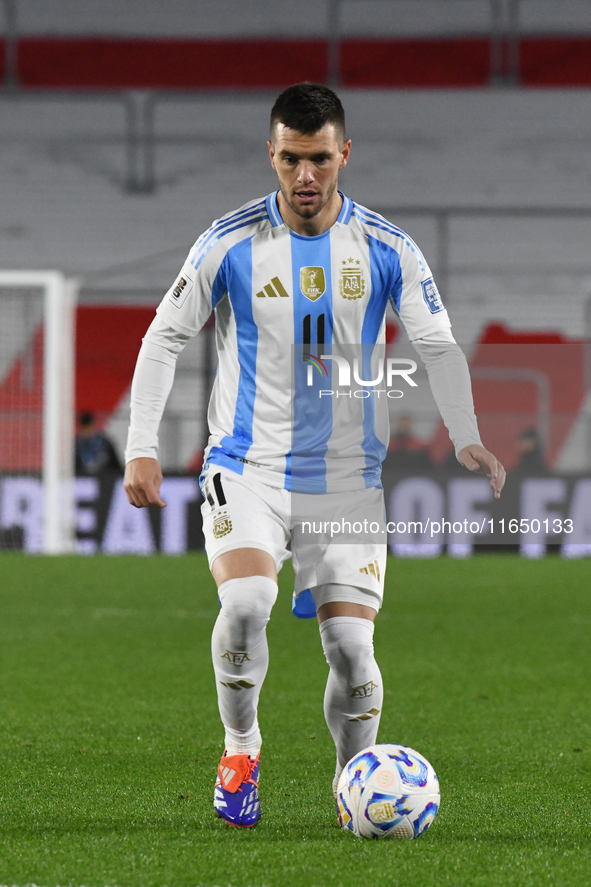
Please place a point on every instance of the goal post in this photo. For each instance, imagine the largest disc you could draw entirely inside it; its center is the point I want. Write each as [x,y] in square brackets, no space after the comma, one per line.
[37,401]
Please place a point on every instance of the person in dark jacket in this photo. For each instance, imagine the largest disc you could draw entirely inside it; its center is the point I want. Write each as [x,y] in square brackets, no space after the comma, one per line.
[531,453]
[95,453]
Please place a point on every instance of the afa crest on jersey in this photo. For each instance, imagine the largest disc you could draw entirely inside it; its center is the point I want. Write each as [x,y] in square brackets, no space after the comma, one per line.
[312,282]
[431,296]
[351,281]
[222,525]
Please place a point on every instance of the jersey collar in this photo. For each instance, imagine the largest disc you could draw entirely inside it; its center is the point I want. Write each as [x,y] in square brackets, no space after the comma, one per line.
[277,221]
[346,210]
[273,210]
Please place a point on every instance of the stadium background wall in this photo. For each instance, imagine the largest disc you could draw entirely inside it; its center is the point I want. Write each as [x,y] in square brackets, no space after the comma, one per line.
[127,127]
[106,523]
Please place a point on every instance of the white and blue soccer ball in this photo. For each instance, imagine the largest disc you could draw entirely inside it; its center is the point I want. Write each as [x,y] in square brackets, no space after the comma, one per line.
[388,791]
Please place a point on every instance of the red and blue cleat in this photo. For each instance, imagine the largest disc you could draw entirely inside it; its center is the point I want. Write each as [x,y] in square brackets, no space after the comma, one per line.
[236,795]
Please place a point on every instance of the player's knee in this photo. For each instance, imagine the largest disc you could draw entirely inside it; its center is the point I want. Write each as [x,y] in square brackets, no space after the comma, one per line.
[349,661]
[348,645]
[248,601]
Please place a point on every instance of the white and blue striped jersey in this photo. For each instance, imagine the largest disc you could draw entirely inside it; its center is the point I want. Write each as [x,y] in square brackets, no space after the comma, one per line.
[282,301]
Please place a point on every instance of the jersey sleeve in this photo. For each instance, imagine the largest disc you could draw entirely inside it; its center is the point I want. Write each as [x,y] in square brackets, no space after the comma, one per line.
[415,296]
[449,378]
[196,291]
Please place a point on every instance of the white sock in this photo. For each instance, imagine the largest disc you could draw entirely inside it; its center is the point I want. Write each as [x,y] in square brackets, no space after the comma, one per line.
[240,658]
[243,742]
[354,692]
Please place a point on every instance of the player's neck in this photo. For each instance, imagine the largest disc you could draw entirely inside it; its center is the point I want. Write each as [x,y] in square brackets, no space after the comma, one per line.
[317,224]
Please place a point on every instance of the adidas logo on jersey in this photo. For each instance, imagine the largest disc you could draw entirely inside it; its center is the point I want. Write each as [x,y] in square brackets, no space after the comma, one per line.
[371,570]
[273,289]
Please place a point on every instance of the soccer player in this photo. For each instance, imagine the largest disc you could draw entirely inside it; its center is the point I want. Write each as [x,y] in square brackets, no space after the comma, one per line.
[291,278]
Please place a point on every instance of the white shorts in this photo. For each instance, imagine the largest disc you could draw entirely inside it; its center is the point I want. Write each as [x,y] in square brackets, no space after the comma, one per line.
[245,513]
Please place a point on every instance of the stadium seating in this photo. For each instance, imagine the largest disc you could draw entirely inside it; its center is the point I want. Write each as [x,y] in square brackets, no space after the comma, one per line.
[208,44]
[492,183]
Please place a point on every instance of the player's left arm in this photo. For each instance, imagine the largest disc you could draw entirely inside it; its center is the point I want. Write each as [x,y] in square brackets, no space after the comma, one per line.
[449,379]
[476,458]
[428,327]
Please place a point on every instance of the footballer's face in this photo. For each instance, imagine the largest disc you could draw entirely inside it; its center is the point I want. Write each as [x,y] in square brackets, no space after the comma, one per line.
[307,167]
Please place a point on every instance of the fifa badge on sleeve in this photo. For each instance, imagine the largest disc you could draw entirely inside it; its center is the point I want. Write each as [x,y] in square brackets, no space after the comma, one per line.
[431,296]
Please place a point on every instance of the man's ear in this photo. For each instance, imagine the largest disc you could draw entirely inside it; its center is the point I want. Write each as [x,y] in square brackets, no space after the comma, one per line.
[271,153]
[345,152]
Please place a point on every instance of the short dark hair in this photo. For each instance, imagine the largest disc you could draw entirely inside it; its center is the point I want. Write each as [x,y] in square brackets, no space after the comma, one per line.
[307,107]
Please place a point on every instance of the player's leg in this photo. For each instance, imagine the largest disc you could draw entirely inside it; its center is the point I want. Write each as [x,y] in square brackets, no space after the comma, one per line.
[247,589]
[354,691]
[246,548]
[346,578]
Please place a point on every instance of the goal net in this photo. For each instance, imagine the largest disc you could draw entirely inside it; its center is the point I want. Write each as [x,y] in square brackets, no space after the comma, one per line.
[36,411]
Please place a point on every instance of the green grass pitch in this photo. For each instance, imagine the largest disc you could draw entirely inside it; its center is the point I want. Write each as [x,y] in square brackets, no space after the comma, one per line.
[110,735]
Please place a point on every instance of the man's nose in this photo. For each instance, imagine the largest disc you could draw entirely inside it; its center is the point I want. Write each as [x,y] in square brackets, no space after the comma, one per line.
[306,172]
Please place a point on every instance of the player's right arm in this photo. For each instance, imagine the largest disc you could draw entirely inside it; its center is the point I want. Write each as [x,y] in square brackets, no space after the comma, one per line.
[142,480]
[152,381]
[201,285]
[181,314]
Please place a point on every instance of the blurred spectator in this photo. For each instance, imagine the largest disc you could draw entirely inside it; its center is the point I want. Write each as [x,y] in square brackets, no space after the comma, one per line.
[94,451]
[406,452]
[531,454]
[450,464]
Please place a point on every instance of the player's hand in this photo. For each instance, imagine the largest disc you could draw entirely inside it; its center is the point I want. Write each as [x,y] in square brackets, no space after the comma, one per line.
[142,481]
[476,458]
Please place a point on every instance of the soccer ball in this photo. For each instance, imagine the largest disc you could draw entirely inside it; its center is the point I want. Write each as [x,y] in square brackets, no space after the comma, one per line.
[387,791]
